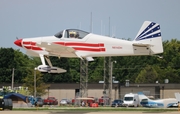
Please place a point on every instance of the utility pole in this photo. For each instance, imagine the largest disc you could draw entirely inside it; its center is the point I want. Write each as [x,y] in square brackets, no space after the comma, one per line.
[110,82]
[12,85]
[107,76]
[35,82]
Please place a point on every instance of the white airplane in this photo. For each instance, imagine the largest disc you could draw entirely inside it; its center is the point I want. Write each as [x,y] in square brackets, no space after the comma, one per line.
[159,103]
[74,43]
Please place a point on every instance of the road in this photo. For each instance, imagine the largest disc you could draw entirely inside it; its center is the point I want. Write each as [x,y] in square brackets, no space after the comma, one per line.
[109,112]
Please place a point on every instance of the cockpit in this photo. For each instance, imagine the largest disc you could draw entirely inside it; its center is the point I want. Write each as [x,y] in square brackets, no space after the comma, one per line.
[71,33]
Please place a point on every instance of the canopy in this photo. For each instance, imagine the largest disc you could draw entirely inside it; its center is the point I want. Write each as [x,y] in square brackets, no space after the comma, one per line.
[16,95]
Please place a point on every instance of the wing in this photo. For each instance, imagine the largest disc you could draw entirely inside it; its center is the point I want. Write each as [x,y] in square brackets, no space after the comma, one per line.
[32,53]
[58,50]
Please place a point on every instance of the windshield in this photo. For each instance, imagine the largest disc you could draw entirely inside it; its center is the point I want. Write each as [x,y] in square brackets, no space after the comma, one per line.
[128,98]
[39,99]
[51,98]
[144,100]
[59,34]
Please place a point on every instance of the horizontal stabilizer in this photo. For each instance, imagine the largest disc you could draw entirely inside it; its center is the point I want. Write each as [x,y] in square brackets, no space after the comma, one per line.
[141,45]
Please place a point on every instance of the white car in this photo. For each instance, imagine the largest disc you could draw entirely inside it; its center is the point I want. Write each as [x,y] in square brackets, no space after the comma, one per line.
[64,102]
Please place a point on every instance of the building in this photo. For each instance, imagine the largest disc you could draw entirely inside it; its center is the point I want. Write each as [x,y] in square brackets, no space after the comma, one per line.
[70,90]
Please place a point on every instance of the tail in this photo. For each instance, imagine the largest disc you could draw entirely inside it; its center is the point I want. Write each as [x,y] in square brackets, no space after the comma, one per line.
[177,96]
[150,36]
[142,96]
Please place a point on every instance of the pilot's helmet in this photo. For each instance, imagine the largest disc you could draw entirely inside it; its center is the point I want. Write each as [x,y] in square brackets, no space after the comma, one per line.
[72,34]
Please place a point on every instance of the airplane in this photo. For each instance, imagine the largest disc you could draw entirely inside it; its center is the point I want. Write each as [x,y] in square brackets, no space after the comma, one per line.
[158,103]
[74,43]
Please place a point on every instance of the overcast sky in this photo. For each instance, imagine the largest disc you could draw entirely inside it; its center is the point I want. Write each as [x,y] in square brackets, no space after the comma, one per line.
[32,18]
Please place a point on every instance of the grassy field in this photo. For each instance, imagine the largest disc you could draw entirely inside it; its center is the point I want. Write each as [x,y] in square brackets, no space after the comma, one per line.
[95,109]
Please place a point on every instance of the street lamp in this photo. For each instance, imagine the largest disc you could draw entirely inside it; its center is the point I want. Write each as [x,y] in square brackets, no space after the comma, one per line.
[48,91]
[35,82]
[110,82]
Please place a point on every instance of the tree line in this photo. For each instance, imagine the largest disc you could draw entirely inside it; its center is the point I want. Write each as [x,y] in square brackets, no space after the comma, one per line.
[137,69]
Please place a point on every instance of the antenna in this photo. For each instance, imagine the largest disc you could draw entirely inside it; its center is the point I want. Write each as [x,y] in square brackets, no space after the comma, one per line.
[101,27]
[113,31]
[80,25]
[109,26]
[91,24]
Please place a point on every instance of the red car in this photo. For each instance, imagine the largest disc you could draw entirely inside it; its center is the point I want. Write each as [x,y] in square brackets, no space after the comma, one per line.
[50,101]
[104,100]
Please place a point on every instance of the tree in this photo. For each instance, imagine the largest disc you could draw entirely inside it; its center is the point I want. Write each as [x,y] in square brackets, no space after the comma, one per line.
[147,75]
[40,85]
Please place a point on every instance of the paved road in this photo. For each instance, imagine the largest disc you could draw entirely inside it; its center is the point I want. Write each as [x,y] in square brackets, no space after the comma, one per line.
[58,112]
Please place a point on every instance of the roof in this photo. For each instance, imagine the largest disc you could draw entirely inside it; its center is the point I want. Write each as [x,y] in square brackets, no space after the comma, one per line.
[85,98]
[16,95]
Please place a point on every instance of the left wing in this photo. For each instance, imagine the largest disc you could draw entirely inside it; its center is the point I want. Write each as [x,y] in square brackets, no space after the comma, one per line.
[58,50]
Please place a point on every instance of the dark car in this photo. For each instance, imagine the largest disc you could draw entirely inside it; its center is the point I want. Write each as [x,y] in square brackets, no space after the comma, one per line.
[117,103]
[39,102]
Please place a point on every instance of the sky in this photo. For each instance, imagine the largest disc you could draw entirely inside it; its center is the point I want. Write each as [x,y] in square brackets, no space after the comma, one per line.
[123,18]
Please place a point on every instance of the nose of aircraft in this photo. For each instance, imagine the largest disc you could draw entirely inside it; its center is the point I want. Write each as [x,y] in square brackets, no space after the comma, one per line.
[18,42]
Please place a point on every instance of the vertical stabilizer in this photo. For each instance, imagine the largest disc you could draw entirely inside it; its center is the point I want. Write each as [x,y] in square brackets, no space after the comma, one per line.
[150,35]
[142,96]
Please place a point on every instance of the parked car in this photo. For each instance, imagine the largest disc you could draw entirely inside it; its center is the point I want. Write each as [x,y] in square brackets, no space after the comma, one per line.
[117,103]
[64,102]
[104,100]
[50,101]
[39,102]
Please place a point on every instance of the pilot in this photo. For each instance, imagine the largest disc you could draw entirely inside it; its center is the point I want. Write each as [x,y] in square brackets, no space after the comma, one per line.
[72,34]
[77,35]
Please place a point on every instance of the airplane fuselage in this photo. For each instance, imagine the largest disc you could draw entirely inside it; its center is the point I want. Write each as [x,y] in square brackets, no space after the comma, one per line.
[92,45]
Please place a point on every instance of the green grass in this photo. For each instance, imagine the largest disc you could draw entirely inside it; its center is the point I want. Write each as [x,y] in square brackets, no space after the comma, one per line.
[90,109]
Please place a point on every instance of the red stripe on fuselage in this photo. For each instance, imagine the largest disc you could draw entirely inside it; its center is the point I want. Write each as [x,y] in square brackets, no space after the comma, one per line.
[80,44]
[36,48]
[28,47]
[29,43]
[61,43]
[89,49]
[33,48]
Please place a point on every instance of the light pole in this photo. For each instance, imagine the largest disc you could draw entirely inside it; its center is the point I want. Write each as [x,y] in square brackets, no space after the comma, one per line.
[35,82]
[110,82]
[12,83]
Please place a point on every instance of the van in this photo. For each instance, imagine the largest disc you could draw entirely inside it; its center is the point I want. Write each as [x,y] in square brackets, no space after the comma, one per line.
[131,99]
